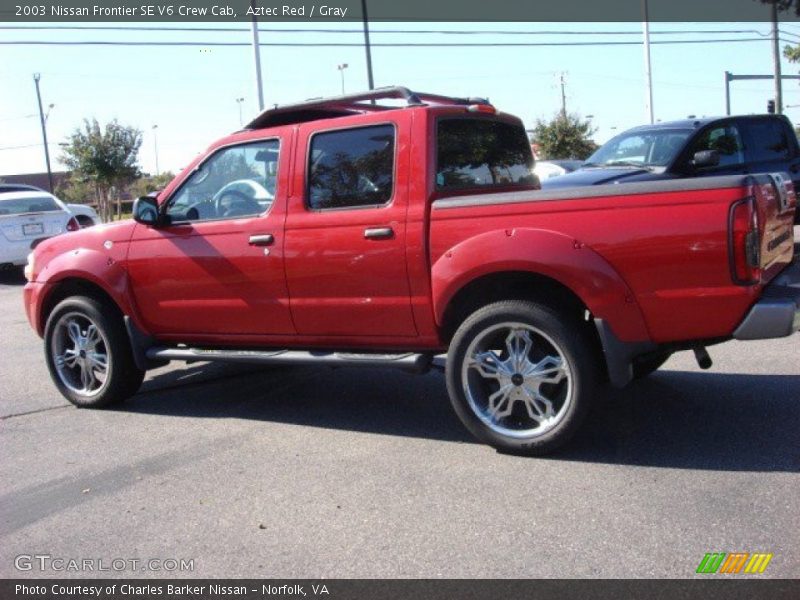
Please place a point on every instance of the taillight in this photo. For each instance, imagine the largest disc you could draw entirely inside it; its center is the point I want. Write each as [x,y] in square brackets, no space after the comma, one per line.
[73,225]
[745,242]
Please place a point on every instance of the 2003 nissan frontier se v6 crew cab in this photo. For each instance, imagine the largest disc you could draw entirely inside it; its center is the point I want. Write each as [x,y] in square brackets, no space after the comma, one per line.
[385,228]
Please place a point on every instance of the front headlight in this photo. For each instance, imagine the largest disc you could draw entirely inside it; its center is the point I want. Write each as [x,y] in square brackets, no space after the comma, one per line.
[29,268]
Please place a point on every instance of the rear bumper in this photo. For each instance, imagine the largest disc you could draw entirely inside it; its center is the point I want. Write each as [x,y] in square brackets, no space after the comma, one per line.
[777,313]
[14,253]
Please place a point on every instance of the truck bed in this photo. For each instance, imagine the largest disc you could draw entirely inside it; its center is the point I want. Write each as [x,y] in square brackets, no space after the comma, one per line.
[667,241]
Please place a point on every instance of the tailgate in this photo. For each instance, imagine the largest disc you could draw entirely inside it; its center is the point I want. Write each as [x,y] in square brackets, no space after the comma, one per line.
[775,202]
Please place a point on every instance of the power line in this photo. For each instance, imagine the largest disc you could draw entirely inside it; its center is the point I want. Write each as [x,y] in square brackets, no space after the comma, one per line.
[376,44]
[378,31]
[17,118]
[19,147]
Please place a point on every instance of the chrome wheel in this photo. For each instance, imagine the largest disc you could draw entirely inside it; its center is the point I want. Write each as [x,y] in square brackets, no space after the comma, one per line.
[517,380]
[80,354]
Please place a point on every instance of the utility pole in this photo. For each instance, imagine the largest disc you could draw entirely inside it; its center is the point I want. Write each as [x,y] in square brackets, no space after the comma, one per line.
[257,59]
[647,69]
[727,92]
[563,84]
[367,46]
[36,78]
[776,61]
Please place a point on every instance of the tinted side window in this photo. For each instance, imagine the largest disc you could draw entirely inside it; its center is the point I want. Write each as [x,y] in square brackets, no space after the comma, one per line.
[481,152]
[351,168]
[726,140]
[769,140]
[238,181]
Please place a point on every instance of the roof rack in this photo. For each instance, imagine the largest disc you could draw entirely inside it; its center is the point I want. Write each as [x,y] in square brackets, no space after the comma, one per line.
[336,106]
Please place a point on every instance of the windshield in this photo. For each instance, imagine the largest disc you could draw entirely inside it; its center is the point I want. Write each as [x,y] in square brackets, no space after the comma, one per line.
[21,206]
[648,148]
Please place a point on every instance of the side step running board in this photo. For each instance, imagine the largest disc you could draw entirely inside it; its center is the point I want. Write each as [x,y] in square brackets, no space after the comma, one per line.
[409,361]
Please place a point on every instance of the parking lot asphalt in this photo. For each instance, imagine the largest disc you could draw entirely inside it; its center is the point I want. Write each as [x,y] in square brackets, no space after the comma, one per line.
[314,472]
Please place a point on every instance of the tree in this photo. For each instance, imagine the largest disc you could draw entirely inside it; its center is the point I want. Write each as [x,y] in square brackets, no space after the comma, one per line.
[105,158]
[565,136]
[75,190]
[150,183]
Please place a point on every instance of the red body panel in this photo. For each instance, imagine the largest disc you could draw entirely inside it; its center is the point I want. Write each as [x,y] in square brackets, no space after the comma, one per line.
[96,255]
[654,266]
[205,278]
[663,256]
[340,282]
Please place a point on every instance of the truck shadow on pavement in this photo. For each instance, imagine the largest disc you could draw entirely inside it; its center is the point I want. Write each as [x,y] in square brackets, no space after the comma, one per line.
[692,420]
[672,419]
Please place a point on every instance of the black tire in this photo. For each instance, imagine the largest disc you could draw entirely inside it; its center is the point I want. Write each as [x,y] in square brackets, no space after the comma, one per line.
[121,378]
[642,367]
[556,340]
[84,221]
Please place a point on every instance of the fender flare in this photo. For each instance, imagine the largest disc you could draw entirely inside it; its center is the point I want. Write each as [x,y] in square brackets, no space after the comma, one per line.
[538,251]
[108,275]
[92,266]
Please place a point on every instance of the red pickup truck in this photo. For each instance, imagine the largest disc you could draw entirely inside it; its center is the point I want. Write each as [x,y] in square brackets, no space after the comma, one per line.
[385,228]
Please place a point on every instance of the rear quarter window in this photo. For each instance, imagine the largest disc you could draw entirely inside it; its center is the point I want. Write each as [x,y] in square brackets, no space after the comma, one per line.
[769,140]
[482,153]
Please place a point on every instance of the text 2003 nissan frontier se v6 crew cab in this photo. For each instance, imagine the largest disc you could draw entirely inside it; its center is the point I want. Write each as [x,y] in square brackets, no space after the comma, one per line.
[382,229]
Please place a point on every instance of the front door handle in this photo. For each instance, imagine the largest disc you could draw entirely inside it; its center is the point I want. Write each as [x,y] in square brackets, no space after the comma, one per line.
[264,239]
[378,233]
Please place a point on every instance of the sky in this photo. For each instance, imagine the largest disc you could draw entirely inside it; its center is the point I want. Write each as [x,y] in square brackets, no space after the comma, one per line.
[191,92]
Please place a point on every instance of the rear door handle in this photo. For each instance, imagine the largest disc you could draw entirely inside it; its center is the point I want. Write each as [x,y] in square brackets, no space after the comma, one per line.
[264,239]
[378,233]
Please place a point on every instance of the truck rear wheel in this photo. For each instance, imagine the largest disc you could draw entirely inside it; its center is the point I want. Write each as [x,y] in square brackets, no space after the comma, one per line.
[521,376]
[89,355]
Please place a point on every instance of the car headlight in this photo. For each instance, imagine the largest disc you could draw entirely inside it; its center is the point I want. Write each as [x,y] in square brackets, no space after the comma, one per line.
[29,267]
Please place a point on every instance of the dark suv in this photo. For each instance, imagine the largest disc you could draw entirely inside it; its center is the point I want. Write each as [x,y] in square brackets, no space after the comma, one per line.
[691,148]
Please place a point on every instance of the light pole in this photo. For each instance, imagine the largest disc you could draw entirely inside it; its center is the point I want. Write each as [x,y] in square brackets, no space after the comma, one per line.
[341,68]
[776,62]
[257,59]
[648,73]
[365,19]
[43,120]
[155,147]
[239,103]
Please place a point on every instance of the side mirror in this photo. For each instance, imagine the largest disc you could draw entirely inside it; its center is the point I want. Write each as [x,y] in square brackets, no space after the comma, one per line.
[705,158]
[145,211]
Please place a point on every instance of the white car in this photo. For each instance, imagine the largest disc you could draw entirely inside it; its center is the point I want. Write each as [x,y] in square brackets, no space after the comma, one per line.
[27,218]
[547,169]
[84,214]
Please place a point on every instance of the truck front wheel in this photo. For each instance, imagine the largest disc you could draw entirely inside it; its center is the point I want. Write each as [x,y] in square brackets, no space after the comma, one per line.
[520,376]
[89,355]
